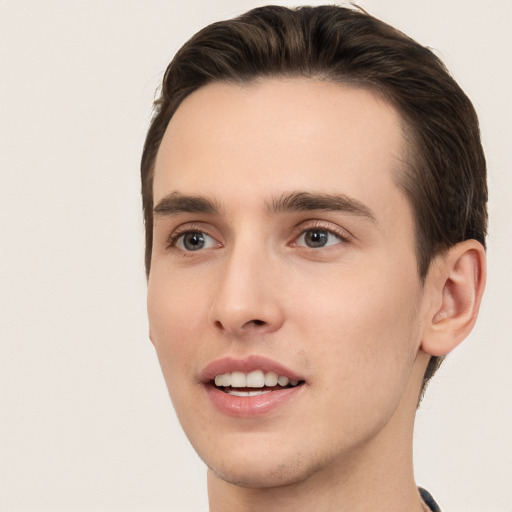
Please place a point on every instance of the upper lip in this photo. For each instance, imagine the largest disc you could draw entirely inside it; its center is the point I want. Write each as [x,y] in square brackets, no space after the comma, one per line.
[246,365]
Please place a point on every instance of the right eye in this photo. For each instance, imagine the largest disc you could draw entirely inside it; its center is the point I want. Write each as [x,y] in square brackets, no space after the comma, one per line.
[193,241]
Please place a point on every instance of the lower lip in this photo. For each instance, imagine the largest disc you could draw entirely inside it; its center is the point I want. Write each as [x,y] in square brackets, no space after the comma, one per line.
[250,406]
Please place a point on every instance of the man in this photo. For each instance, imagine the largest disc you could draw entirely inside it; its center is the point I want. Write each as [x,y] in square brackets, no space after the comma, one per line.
[315,205]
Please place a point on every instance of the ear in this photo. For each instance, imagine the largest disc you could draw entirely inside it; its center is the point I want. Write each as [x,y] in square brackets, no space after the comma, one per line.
[455,284]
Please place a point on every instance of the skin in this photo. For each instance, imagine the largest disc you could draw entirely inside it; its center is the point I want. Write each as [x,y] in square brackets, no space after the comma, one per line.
[351,317]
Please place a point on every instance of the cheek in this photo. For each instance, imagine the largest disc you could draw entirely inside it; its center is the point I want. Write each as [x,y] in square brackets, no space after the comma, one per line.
[365,331]
[175,316]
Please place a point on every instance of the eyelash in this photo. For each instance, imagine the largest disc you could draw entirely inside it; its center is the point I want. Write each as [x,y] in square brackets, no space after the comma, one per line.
[325,226]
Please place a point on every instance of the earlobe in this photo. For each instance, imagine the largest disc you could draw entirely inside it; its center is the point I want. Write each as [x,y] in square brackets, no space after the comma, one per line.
[457,284]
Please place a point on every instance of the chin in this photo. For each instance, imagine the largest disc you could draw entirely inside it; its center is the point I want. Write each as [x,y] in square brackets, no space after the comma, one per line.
[248,468]
[261,477]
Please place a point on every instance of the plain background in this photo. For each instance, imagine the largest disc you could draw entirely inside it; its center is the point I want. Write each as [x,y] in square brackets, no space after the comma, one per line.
[85,421]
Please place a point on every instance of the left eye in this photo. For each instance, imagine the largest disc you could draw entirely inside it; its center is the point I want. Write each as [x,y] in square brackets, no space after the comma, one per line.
[317,238]
[195,241]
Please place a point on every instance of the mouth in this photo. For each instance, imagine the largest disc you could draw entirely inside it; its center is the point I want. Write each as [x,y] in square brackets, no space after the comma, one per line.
[249,387]
[255,383]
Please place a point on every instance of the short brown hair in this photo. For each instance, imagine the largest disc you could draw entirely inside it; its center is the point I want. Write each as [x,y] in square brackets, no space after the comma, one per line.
[445,175]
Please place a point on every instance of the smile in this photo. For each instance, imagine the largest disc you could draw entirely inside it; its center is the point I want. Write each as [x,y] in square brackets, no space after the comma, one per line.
[249,387]
[259,382]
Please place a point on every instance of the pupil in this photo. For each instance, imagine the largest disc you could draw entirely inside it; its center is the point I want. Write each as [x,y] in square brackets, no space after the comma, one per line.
[316,238]
[193,241]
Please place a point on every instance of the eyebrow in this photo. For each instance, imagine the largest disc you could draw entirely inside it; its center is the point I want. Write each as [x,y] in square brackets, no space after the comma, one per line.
[176,203]
[305,201]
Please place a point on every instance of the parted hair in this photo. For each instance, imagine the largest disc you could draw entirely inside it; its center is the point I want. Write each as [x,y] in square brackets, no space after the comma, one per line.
[444,175]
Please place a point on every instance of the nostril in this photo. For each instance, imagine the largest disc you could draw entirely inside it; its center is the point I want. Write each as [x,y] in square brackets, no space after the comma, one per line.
[256,322]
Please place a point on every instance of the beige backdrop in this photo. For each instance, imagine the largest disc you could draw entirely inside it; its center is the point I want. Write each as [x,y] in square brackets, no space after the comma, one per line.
[85,422]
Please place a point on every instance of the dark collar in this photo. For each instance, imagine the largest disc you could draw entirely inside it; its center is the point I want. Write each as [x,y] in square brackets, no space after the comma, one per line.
[427,498]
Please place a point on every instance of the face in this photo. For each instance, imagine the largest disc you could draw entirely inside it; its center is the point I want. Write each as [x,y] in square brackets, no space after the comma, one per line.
[284,299]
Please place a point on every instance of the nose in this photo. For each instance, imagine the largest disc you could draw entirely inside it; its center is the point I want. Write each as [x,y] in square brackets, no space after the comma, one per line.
[247,297]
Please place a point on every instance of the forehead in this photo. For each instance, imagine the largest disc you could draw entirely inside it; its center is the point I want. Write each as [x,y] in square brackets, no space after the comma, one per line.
[242,142]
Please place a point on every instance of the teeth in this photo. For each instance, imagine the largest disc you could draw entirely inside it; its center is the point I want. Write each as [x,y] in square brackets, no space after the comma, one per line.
[235,392]
[223,380]
[238,380]
[283,381]
[254,379]
[271,379]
